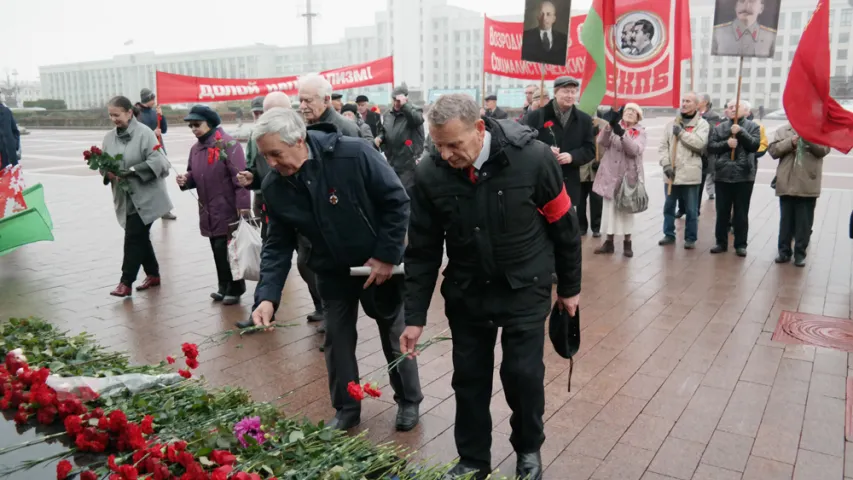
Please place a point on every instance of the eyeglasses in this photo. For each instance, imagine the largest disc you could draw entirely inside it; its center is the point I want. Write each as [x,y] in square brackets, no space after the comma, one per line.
[194,124]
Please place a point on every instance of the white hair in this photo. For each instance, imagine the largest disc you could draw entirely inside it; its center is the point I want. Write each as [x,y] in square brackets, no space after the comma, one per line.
[743,104]
[324,88]
[285,122]
[276,99]
[454,105]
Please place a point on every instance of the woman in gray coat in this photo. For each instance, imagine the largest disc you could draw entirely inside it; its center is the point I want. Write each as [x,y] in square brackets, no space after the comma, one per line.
[144,167]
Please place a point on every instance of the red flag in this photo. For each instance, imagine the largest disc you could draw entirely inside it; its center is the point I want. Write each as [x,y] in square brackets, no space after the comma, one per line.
[686,35]
[813,113]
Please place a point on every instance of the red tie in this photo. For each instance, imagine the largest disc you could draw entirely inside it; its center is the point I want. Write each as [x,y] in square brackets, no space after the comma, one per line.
[472,174]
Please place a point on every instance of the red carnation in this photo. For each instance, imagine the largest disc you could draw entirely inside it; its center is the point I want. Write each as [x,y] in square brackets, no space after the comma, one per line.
[88,475]
[46,415]
[192,363]
[223,457]
[63,468]
[372,389]
[73,424]
[127,472]
[549,124]
[157,147]
[111,463]
[185,373]
[246,476]
[355,391]
[147,425]
[170,359]
[221,473]
[22,417]
[87,155]
[190,350]
[408,142]
[117,421]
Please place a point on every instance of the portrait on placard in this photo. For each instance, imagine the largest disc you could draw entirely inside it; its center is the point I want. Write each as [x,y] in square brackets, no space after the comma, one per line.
[546,31]
[745,28]
[640,35]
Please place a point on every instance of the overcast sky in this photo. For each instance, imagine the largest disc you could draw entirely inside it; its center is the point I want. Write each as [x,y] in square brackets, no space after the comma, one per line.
[46,32]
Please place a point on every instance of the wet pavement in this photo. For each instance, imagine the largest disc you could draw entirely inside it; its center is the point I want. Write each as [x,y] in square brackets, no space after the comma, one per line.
[677,377]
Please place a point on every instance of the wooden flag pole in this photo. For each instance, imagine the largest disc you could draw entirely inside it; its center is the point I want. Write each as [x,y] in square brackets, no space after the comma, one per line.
[737,101]
[542,86]
[672,160]
[483,88]
[692,75]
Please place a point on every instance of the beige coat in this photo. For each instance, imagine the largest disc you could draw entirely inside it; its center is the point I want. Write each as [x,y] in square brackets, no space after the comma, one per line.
[688,155]
[796,177]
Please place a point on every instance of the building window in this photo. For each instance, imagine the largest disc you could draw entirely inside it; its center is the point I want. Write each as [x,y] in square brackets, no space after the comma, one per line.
[796,19]
[762,72]
[718,72]
[747,72]
[774,88]
[795,39]
[782,20]
[744,88]
[733,72]
[842,55]
[840,71]
[777,71]
[844,38]
[777,56]
[759,88]
[846,17]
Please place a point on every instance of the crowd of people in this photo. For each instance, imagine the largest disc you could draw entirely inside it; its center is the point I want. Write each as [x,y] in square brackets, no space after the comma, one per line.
[344,186]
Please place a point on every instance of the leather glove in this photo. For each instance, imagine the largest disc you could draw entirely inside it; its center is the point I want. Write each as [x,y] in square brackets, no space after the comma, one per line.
[617,129]
[676,130]
[595,166]
[669,172]
[616,116]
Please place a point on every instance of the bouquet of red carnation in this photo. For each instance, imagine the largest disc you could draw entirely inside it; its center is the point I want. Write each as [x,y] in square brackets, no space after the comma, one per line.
[108,165]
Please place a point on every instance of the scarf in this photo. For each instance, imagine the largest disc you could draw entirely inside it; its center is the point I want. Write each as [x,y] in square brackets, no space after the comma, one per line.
[563,117]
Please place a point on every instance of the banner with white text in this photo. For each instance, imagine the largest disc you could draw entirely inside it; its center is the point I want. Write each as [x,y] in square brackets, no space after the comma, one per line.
[173,88]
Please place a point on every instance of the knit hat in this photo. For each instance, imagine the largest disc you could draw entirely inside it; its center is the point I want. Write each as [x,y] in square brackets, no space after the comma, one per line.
[636,108]
[258,104]
[146,95]
[203,113]
[350,107]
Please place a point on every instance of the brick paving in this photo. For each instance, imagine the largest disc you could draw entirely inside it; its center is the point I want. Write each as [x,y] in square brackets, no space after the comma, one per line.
[677,377]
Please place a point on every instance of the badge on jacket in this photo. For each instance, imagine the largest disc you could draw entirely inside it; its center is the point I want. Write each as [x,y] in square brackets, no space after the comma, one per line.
[333,196]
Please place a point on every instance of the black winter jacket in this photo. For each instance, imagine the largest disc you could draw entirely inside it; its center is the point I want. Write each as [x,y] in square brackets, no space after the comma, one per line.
[399,128]
[499,243]
[742,168]
[346,201]
[10,138]
[578,140]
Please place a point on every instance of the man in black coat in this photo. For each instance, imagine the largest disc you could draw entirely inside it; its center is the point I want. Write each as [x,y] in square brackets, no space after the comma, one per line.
[492,110]
[495,196]
[10,138]
[341,194]
[568,130]
[734,179]
[543,44]
[402,135]
[371,118]
[713,118]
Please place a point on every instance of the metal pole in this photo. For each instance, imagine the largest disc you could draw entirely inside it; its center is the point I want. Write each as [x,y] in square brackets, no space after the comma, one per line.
[309,19]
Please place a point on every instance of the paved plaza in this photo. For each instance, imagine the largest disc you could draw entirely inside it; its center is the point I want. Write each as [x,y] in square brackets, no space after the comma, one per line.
[677,377]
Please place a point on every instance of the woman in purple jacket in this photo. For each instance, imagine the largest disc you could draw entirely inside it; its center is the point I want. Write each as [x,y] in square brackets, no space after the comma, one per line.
[212,170]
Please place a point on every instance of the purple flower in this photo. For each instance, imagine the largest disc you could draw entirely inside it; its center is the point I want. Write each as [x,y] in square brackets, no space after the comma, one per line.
[250,426]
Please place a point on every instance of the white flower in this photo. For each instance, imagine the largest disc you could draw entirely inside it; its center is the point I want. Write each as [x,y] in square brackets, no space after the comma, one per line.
[17,351]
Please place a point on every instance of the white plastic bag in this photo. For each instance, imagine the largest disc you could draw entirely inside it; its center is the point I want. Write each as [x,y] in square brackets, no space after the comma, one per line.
[109,386]
[244,252]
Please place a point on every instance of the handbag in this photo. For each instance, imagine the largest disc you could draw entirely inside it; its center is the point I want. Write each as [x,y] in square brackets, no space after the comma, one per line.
[632,198]
[244,251]
[564,330]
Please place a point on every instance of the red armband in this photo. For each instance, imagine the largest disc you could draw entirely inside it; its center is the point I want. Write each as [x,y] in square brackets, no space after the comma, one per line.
[556,208]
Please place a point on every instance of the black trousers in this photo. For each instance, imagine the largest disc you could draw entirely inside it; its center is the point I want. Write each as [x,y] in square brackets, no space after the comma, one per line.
[227,285]
[595,206]
[138,251]
[523,378]
[303,252]
[733,197]
[795,224]
[341,295]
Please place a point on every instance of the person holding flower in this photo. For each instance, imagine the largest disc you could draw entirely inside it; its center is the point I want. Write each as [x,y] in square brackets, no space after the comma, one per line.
[401,136]
[624,141]
[142,199]
[214,162]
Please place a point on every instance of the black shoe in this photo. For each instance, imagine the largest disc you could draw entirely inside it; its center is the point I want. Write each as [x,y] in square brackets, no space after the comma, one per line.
[316,316]
[689,245]
[407,417]
[782,258]
[528,466]
[740,252]
[461,470]
[799,261]
[596,234]
[231,299]
[719,249]
[666,240]
[245,323]
[679,214]
[321,328]
[344,421]
[219,295]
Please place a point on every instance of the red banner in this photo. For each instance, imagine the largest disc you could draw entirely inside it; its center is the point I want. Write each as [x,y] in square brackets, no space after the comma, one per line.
[173,88]
[647,75]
